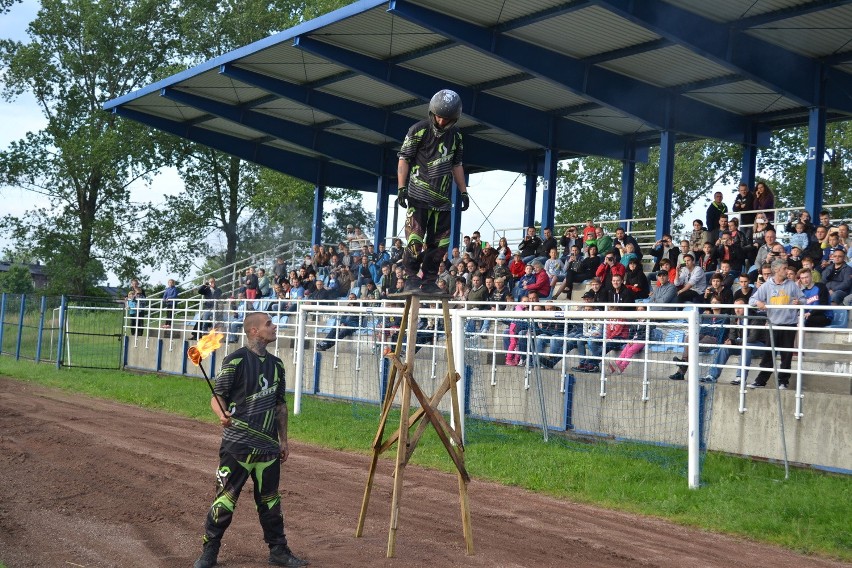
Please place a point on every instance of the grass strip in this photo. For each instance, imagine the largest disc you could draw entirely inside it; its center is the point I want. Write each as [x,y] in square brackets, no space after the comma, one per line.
[808,513]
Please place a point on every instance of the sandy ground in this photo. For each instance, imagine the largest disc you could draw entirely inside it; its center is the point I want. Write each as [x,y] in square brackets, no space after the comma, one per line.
[94,483]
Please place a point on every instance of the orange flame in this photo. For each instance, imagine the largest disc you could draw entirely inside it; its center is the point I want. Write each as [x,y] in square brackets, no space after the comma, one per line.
[206,345]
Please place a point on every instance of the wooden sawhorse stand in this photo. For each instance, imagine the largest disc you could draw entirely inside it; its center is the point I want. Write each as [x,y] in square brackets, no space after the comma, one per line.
[427,413]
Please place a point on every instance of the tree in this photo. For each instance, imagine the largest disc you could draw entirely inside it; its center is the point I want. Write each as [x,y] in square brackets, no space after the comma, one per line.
[225,195]
[17,280]
[590,188]
[82,53]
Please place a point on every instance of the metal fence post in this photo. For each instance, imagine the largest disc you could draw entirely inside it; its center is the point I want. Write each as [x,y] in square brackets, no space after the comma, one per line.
[2,319]
[39,336]
[63,307]
[20,327]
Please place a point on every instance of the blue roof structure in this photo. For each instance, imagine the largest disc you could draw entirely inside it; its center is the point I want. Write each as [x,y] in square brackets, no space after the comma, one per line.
[330,100]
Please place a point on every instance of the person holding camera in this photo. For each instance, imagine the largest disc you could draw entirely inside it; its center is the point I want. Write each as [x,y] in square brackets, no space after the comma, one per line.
[664,248]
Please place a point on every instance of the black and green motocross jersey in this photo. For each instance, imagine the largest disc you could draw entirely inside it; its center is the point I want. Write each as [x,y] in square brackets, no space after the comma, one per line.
[252,386]
[432,159]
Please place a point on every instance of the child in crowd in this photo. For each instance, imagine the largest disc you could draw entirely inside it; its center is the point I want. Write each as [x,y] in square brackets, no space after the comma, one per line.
[636,344]
[516,328]
[800,238]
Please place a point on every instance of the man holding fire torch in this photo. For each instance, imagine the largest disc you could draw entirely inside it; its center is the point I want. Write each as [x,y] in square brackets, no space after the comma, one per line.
[249,402]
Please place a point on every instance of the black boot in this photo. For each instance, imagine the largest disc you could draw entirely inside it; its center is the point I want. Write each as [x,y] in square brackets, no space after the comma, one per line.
[280,555]
[208,556]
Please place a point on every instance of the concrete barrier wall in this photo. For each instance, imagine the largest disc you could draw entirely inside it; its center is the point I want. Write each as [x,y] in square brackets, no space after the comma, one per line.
[822,437]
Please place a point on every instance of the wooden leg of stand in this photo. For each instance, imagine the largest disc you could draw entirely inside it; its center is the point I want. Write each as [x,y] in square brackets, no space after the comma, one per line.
[390,393]
[454,397]
[402,442]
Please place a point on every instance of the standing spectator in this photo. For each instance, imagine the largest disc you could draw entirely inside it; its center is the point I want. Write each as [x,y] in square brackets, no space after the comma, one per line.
[170,295]
[434,147]
[263,286]
[211,294]
[825,220]
[473,247]
[251,386]
[131,304]
[698,237]
[764,200]
[716,209]
[744,204]
[774,296]
[250,283]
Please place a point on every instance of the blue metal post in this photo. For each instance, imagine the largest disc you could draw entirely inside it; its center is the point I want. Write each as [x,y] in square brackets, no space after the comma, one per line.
[750,161]
[529,198]
[185,360]
[20,326]
[39,338]
[548,201]
[455,221]
[2,319]
[319,198]
[628,184]
[383,191]
[159,355]
[664,185]
[816,157]
[63,307]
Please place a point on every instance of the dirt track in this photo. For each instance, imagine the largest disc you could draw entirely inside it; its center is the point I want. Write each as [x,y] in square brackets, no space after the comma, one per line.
[94,483]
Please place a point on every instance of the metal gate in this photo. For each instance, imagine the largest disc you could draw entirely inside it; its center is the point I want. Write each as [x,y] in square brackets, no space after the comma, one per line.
[91,333]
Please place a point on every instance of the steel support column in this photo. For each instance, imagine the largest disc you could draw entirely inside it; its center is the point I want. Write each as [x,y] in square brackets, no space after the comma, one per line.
[548,199]
[455,221]
[383,191]
[816,157]
[750,163]
[628,184]
[319,198]
[664,185]
[530,195]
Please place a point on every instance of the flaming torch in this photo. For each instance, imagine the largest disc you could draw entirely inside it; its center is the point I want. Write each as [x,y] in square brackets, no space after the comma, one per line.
[205,346]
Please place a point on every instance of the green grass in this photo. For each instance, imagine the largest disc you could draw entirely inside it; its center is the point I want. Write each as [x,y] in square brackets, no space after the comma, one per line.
[808,513]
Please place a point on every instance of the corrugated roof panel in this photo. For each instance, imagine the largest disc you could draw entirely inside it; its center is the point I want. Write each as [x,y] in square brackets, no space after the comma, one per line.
[816,34]
[538,93]
[610,121]
[231,128]
[367,90]
[218,87]
[377,34]
[667,67]
[287,110]
[847,67]
[362,134]
[509,140]
[584,32]
[290,63]
[160,106]
[743,97]
[478,67]
[728,10]
[488,12]
[284,145]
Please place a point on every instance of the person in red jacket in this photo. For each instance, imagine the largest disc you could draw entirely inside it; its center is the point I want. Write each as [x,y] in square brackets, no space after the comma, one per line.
[608,268]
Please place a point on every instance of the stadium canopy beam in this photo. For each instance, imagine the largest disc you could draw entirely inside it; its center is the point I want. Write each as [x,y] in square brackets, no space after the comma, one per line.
[786,13]
[296,165]
[500,113]
[385,188]
[602,85]
[755,59]
[484,153]
[367,157]
[319,201]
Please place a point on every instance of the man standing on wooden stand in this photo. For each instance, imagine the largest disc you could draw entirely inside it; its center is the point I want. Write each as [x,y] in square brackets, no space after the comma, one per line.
[430,159]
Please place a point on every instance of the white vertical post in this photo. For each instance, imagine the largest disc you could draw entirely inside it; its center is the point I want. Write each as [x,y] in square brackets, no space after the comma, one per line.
[299,351]
[694,437]
[458,355]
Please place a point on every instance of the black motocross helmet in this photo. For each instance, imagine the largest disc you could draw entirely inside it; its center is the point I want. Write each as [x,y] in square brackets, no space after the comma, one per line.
[446,104]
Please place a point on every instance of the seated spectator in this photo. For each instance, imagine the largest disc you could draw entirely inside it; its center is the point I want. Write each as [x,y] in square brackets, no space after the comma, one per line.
[323,293]
[635,344]
[819,241]
[764,274]
[529,245]
[548,242]
[618,293]
[664,248]
[816,294]
[712,331]
[802,217]
[833,241]
[745,289]
[837,277]
[739,237]
[586,270]
[478,293]
[825,220]
[554,268]
[845,239]
[810,264]
[627,254]
[732,345]
[690,281]
[500,269]
[728,276]
[591,341]
[517,268]
[717,290]
[603,241]
[461,290]
[663,292]
[707,259]
[622,239]
[503,248]
[758,237]
[635,279]
[540,284]
[597,289]
[570,238]
[799,237]
[684,250]
[346,326]
[608,269]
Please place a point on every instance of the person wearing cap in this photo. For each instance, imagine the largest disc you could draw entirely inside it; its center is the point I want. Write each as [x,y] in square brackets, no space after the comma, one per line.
[500,269]
[430,160]
[488,257]
[664,292]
